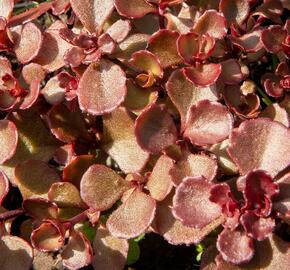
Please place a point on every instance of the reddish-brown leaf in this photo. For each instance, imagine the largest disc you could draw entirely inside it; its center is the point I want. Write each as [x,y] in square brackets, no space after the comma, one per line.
[92,13]
[102,88]
[8,141]
[133,9]
[133,217]
[191,204]
[101,187]
[155,129]
[208,123]
[211,22]
[260,144]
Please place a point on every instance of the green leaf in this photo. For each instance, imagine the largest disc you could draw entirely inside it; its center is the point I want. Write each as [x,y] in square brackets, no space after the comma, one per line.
[89,231]
[199,249]
[133,253]
[139,238]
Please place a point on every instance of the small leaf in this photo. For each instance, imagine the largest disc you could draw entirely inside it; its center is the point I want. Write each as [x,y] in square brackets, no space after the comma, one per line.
[133,253]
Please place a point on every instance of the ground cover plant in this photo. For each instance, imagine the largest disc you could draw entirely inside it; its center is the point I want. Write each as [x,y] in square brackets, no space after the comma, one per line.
[133,132]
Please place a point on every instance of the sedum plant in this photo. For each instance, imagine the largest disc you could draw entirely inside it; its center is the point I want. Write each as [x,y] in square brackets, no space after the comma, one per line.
[126,117]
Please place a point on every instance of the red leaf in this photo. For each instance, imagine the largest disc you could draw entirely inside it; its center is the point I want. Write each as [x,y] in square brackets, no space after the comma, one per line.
[183,93]
[163,44]
[235,11]
[16,253]
[250,42]
[119,30]
[193,47]
[231,72]
[4,186]
[175,232]
[101,187]
[102,88]
[222,195]
[146,61]
[133,217]
[159,183]
[257,227]
[155,129]
[258,192]
[92,13]
[78,252]
[273,37]
[260,144]
[193,165]
[53,49]
[8,141]
[66,125]
[203,74]
[212,23]
[48,237]
[32,95]
[27,41]
[119,141]
[235,246]
[133,9]
[34,178]
[208,123]
[110,252]
[191,204]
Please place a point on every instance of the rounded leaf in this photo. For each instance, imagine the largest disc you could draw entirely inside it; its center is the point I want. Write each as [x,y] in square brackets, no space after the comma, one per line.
[133,217]
[78,252]
[102,88]
[16,253]
[163,45]
[65,194]
[155,129]
[34,178]
[101,187]
[133,9]
[8,141]
[260,144]
[53,49]
[175,232]
[92,13]
[119,141]
[191,204]
[48,237]
[208,123]
[235,11]
[159,183]
[183,93]
[110,252]
[211,22]
[193,165]
[27,42]
[235,246]
[257,227]
[203,74]
[146,61]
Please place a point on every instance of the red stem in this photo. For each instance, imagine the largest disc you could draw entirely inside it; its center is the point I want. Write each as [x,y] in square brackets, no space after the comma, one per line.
[11,214]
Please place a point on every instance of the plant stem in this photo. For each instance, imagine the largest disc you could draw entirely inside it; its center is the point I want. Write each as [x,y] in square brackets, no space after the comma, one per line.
[11,214]
[265,98]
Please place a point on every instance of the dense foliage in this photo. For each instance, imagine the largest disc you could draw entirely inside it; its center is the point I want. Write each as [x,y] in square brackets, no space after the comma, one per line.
[126,117]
